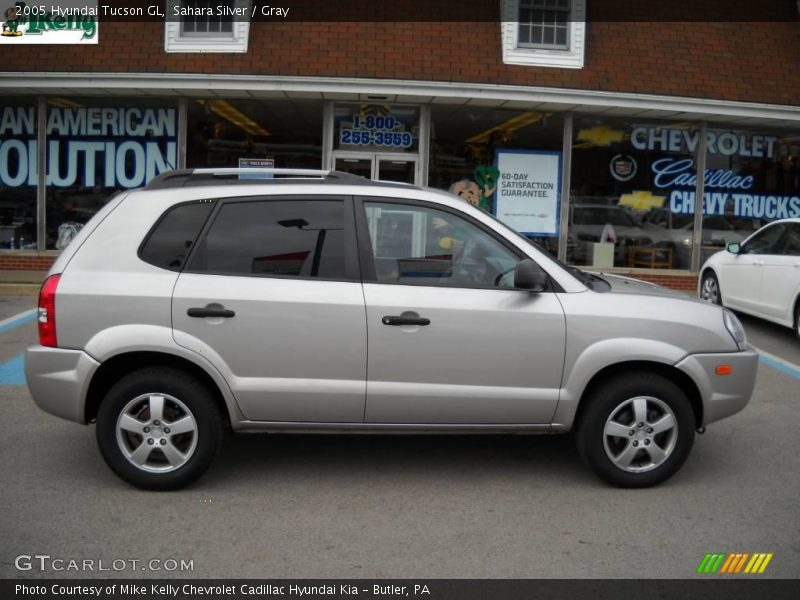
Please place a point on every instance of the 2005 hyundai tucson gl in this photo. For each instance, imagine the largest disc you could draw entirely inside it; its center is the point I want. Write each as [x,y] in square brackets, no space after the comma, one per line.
[318,301]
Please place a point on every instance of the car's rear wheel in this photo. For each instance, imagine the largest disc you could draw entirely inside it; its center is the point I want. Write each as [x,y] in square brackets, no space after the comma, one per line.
[637,430]
[158,428]
[709,288]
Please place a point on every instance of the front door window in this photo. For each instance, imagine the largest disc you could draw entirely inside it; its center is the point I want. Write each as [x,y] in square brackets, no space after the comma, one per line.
[416,245]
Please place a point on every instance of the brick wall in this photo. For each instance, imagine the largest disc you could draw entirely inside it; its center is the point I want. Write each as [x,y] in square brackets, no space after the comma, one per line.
[23,261]
[745,61]
[684,283]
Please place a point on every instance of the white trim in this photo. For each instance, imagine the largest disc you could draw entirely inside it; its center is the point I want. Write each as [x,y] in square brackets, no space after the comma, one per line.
[570,58]
[236,41]
[189,84]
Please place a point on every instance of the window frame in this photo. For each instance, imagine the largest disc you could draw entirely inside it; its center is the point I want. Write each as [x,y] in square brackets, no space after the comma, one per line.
[570,57]
[351,260]
[176,40]
[367,258]
[553,46]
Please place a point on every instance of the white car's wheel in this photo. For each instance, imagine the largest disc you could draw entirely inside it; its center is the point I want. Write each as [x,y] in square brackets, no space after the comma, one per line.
[797,321]
[709,288]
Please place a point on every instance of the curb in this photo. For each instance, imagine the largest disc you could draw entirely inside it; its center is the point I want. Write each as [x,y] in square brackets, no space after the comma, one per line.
[19,289]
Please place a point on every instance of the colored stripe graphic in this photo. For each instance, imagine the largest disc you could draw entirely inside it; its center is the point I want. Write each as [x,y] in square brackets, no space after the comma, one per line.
[711,562]
[733,563]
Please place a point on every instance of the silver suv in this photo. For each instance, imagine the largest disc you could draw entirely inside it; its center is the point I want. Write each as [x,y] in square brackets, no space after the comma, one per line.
[315,301]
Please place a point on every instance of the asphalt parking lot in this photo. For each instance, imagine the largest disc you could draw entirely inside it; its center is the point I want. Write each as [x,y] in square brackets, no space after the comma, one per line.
[404,507]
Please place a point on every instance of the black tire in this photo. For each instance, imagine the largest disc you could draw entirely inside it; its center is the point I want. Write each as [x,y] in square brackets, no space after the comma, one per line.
[797,320]
[182,395]
[709,288]
[614,398]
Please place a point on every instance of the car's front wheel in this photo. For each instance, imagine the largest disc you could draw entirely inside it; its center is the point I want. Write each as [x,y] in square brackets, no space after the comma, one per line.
[158,428]
[636,430]
[709,288]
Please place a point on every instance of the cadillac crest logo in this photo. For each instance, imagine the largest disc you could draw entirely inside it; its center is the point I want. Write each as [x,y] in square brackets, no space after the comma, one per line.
[623,167]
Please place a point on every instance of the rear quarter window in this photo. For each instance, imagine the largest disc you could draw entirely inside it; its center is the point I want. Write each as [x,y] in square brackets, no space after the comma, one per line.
[169,242]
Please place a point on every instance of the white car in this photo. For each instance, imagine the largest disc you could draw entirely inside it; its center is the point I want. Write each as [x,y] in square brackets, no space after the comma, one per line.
[760,276]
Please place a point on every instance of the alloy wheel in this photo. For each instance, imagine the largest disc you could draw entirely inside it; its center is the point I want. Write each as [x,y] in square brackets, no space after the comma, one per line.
[709,291]
[157,433]
[640,434]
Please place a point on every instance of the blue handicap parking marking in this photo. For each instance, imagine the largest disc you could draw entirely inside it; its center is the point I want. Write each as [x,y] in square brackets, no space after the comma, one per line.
[12,372]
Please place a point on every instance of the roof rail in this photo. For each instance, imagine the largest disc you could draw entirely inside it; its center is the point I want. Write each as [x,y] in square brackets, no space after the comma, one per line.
[232,176]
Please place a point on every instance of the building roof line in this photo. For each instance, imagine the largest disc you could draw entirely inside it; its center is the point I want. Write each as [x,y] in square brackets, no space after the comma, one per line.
[341,88]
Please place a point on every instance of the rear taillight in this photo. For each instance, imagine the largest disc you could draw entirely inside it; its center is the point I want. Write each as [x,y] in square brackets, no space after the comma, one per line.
[47,312]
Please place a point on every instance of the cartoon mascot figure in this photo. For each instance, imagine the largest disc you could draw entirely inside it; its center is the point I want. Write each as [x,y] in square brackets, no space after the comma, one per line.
[13,20]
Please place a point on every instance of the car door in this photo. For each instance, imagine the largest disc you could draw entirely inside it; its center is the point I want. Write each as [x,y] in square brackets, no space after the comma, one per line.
[272,297]
[741,274]
[781,279]
[450,340]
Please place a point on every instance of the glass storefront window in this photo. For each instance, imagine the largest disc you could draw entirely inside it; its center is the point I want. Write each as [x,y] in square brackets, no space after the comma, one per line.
[485,154]
[632,193]
[18,174]
[242,133]
[752,178]
[96,146]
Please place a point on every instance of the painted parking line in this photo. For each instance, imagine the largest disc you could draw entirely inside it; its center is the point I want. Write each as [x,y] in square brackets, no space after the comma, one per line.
[776,362]
[12,372]
[17,320]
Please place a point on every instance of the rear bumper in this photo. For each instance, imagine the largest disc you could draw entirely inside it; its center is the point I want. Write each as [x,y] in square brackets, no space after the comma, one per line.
[723,395]
[58,380]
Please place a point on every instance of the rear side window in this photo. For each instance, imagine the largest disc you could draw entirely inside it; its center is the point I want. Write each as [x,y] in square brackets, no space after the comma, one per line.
[172,238]
[286,238]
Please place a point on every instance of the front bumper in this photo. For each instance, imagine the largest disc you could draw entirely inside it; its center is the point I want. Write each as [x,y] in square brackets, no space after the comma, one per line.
[723,395]
[58,380]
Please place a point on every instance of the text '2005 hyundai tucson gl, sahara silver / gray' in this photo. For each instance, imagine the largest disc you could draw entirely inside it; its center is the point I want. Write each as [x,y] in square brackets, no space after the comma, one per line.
[319,301]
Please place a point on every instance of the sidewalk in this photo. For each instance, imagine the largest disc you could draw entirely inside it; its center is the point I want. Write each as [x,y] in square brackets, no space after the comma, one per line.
[21,283]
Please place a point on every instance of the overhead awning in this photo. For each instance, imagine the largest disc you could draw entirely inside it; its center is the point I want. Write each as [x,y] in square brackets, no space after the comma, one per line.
[529,98]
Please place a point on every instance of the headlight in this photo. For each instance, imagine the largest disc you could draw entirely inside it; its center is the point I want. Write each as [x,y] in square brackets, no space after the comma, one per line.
[735,328]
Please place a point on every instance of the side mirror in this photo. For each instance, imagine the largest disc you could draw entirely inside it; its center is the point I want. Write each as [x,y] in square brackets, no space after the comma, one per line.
[734,248]
[529,276]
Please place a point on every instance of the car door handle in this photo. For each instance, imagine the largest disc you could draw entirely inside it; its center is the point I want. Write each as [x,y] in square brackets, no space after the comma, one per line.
[202,313]
[758,263]
[391,320]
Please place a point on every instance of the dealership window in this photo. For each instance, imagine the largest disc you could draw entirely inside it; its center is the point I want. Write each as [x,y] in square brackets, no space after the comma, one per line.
[96,146]
[18,174]
[484,154]
[207,26]
[632,193]
[752,178]
[544,33]
[254,133]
